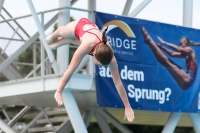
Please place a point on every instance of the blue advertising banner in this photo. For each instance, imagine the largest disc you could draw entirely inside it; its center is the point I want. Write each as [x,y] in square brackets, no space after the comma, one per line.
[158,65]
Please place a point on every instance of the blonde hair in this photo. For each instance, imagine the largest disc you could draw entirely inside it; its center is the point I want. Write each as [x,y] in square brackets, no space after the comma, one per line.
[189,42]
[104,52]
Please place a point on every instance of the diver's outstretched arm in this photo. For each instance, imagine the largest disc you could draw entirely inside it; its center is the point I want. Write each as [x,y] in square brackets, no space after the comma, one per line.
[169,52]
[173,46]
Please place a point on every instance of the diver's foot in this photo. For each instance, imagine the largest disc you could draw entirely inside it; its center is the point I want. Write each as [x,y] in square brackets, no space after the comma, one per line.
[49,40]
[147,37]
[53,47]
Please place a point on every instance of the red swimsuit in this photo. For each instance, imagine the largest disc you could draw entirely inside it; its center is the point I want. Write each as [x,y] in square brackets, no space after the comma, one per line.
[79,32]
[191,69]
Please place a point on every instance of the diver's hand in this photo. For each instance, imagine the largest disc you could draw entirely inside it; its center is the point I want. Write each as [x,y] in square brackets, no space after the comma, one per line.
[161,40]
[58,98]
[129,114]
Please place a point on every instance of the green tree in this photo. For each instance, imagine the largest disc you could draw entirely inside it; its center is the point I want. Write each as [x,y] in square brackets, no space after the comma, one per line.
[27,57]
[2,78]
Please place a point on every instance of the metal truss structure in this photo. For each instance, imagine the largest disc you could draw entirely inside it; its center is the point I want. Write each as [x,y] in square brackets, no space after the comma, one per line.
[33,91]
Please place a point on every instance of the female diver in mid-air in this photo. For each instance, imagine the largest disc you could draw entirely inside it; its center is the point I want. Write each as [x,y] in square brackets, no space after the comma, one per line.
[184,79]
[93,42]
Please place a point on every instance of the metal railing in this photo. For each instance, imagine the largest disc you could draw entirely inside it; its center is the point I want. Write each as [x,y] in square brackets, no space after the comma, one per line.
[21,52]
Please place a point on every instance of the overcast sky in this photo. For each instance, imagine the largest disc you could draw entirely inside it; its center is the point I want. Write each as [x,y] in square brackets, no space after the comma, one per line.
[166,11]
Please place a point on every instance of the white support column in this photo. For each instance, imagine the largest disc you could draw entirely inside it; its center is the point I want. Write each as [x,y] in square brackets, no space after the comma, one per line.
[195,118]
[1,5]
[139,8]
[187,12]
[187,21]
[42,35]
[42,58]
[127,7]
[73,112]
[5,114]
[63,51]
[171,123]
[5,127]
[102,123]
[91,6]
[87,116]
[9,60]
[114,121]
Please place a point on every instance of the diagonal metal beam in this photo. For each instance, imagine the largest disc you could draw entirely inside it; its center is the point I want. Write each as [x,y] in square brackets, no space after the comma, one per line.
[105,128]
[26,45]
[5,114]
[15,31]
[16,23]
[87,116]
[73,112]
[127,7]
[171,123]
[10,71]
[5,127]
[195,119]
[12,39]
[114,121]
[42,36]
[33,123]
[12,28]
[18,116]
[139,8]
[47,118]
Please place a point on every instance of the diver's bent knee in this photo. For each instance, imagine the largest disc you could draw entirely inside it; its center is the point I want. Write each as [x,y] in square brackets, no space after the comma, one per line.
[184,85]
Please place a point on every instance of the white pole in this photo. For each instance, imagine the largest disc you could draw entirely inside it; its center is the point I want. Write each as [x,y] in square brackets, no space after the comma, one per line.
[174,117]
[87,116]
[139,8]
[187,12]
[73,112]
[171,123]
[63,51]
[102,123]
[195,118]
[42,35]
[187,21]
[91,6]
[114,121]
[127,7]
[42,58]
